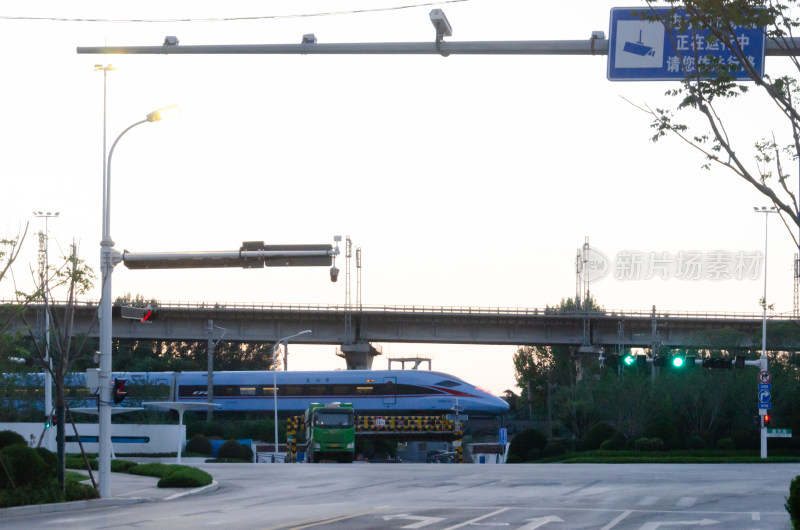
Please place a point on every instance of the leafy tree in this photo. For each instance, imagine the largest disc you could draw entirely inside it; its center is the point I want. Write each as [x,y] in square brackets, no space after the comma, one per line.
[705,88]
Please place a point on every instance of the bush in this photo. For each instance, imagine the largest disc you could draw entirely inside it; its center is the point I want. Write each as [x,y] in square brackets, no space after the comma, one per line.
[155,469]
[188,477]
[50,461]
[78,491]
[649,444]
[597,434]
[725,444]
[25,495]
[199,444]
[554,449]
[533,454]
[662,427]
[76,462]
[513,459]
[234,450]
[696,442]
[122,466]
[24,464]
[11,438]
[524,441]
[793,501]
[615,443]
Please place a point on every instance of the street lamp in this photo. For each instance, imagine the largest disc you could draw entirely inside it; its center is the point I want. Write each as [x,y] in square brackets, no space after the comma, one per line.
[765,210]
[284,340]
[48,378]
[109,258]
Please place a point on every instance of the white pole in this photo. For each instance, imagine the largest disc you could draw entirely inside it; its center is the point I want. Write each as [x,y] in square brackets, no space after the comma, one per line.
[764,366]
[180,433]
[284,340]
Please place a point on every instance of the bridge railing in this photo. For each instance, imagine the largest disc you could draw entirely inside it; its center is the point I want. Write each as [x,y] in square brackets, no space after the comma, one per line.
[453,310]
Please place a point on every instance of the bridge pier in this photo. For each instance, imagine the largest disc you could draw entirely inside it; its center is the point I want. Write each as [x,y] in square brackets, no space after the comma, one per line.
[359,355]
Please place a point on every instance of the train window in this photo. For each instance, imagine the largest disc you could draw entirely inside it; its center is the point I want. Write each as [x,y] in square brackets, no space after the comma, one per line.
[247,391]
[448,383]
[267,390]
[362,390]
[341,390]
[293,390]
[315,390]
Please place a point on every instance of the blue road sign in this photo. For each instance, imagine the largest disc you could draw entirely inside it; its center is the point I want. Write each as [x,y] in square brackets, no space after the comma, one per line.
[643,50]
[764,396]
[503,436]
[767,406]
[765,386]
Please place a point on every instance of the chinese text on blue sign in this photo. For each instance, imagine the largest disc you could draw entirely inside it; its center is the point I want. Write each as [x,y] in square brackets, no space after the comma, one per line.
[641,49]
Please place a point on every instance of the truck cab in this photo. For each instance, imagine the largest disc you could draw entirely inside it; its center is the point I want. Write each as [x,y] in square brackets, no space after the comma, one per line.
[330,432]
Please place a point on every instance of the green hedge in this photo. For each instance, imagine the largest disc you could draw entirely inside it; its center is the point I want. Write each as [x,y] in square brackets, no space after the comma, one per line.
[188,477]
[155,469]
[793,502]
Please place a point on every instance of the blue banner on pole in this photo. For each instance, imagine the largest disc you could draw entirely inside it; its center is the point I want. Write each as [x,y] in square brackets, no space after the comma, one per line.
[641,49]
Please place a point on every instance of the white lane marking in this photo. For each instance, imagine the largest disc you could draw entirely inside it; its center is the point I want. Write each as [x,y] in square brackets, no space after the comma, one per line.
[685,502]
[501,510]
[421,521]
[655,524]
[541,521]
[756,516]
[647,501]
[619,518]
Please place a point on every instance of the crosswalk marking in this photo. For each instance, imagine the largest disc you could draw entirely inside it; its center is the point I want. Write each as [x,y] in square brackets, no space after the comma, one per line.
[685,502]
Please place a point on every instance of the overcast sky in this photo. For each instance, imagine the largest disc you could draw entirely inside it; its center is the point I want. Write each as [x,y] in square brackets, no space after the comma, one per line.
[466,181]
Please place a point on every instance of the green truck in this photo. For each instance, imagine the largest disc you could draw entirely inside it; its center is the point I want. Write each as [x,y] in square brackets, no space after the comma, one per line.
[330,432]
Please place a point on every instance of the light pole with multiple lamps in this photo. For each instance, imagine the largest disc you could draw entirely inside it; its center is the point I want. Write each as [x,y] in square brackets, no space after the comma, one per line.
[284,340]
[763,360]
[108,259]
[48,378]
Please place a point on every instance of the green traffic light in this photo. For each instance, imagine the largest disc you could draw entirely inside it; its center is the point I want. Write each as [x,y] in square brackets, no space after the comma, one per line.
[629,360]
[677,362]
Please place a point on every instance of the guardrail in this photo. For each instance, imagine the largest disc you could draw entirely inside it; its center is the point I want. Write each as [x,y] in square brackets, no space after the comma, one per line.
[453,310]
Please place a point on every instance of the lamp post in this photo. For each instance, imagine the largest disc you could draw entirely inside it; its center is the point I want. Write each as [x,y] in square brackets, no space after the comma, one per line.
[109,258]
[284,340]
[765,210]
[48,378]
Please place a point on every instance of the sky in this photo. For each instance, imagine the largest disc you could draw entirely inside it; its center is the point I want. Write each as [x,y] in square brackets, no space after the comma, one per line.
[466,181]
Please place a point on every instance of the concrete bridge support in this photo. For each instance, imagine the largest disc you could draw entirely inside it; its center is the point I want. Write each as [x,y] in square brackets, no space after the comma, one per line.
[359,355]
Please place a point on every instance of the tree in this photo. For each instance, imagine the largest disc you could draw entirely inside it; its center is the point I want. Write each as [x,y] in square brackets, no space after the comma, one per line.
[75,278]
[709,82]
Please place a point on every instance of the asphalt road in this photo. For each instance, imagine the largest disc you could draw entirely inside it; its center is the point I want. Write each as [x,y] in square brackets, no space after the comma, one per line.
[449,496]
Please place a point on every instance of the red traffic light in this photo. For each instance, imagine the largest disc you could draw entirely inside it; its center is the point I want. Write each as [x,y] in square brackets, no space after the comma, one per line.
[119,393]
[766,420]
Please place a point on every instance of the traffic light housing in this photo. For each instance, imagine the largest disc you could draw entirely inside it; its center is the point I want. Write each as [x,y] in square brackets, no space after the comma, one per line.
[119,392]
[739,361]
[149,314]
[611,360]
[766,420]
[718,362]
[634,361]
[659,360]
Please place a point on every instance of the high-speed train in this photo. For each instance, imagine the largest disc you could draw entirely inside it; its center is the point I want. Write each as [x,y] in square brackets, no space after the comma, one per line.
[372,392]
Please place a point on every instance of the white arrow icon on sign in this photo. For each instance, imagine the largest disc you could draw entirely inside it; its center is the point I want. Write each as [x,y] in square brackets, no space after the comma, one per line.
[764,396]
[423,521]
[541,521]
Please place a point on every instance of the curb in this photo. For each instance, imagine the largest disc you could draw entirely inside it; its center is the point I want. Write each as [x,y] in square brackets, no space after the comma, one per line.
[214,486]
[37,509]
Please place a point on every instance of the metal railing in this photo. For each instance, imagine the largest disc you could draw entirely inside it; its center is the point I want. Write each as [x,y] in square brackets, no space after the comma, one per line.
[452,310]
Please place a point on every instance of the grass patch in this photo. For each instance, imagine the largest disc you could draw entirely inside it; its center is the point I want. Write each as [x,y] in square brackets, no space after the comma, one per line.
[74,476]
[155,469]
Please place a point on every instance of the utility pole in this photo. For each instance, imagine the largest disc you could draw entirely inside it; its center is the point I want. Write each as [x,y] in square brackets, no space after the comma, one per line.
[210,349]
[44,272]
